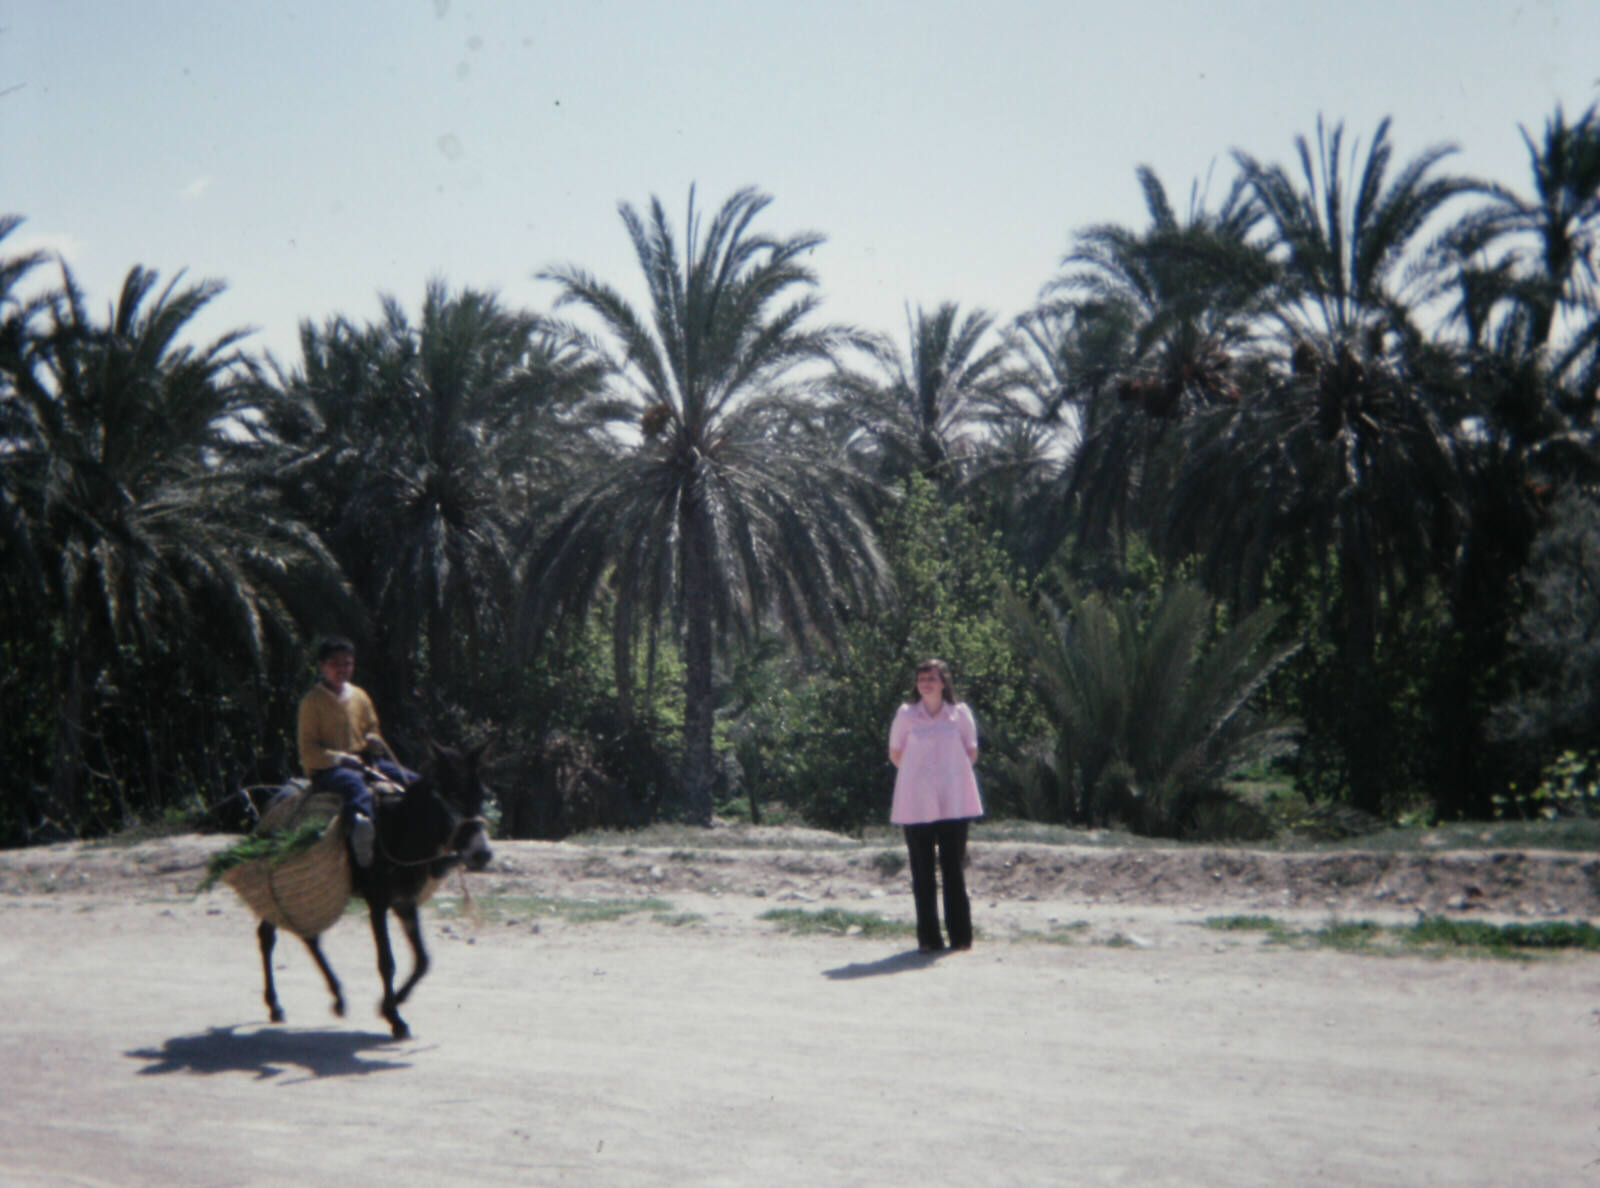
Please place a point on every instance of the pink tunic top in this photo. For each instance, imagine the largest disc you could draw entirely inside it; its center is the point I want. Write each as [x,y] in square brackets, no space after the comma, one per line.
[935,781]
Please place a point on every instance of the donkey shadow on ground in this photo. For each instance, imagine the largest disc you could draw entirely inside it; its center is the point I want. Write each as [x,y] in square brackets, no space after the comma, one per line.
[270,1052]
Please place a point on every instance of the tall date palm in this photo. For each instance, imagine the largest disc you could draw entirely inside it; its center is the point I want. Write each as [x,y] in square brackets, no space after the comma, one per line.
[414,444]
[1175,309]
[118,488]
[1535,261]
[923,409]
[715,502]
[1350,462]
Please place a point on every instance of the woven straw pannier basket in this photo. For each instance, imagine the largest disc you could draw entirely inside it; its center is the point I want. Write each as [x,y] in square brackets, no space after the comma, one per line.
[306,892]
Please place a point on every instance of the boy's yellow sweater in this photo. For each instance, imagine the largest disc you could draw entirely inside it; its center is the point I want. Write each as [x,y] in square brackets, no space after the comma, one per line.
[332,724]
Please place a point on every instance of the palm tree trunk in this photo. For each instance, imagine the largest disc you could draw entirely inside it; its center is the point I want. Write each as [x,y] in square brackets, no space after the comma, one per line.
[1365,741]
[698,708]
[622,663]
[62,805]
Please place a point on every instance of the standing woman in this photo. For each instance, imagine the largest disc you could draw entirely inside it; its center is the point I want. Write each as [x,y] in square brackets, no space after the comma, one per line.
[934,741]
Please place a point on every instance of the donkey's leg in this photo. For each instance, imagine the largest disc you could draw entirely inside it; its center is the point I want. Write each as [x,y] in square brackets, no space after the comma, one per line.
[389,1007]
[314,943]
[267,935]
[419,954]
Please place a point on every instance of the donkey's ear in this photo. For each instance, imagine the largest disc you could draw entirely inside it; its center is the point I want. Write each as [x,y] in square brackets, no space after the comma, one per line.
[480,752]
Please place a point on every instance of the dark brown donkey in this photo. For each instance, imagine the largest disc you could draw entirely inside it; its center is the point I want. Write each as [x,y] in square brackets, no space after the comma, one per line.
[436,827]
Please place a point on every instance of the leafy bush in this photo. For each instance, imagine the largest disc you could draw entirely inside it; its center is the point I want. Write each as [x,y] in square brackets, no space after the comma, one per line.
[822,733]
[1570,787]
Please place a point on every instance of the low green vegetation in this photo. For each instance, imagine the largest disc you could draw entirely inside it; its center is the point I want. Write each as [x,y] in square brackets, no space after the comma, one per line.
[837,922]
[690,842]
[1578,835]
[513,909]
[1292,832]
[1573,835]
[1058,933]
[889,862]
[1244,924]
[1505,939]
[1431,936]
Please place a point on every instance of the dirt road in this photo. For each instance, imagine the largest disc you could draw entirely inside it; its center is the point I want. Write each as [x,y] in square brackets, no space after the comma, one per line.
[693,1043]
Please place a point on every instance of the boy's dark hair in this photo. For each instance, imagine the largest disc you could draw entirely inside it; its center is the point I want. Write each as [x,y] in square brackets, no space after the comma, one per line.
[333,645]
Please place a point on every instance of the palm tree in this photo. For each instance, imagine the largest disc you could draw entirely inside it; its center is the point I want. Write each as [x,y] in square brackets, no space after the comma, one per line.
[24,664]
[1350,462]
[926,409]
[1535,262]
[1170,314]
[14,309]
[1352,264]
[118,484]
[1528,292]
[716,500]
[416,449]
[19,341]
[1525,280]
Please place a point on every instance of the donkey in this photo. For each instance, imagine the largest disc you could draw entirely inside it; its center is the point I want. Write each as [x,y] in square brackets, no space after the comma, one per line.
[434,828]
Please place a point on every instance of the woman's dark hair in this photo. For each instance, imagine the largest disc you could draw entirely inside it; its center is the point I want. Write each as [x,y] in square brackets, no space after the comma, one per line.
[333,645]
[947,686]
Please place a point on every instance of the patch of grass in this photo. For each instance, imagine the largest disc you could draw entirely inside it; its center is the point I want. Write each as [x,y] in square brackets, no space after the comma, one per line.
[1351,936]
[1580,834]
[541,907]
[691,842]
[1277,932]
[888,863]
[1434,936]
[1242,923]
[1436,933]
[837,921]
[595,911]
[695,838]
[1039,834]
[679,919]
[1056,934]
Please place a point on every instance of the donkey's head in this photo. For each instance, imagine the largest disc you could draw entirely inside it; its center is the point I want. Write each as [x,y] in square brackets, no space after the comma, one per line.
[458,784]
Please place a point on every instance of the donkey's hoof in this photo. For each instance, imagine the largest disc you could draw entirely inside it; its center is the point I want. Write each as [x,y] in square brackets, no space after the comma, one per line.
[399,1031]
[275,1015]
[338,1007]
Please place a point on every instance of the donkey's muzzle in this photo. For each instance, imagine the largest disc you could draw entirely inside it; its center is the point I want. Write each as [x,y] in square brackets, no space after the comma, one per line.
[471,844]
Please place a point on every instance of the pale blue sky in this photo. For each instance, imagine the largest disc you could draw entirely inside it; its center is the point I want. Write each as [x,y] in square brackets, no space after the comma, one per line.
[313,153]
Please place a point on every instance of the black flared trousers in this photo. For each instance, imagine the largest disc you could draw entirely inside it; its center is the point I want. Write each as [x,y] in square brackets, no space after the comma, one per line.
[949,838]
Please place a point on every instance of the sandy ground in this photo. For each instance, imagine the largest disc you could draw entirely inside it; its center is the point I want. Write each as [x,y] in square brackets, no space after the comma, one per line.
[692,1042]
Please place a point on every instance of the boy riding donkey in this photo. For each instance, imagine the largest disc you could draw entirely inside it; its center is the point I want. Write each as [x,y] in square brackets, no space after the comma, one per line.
[341,746]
